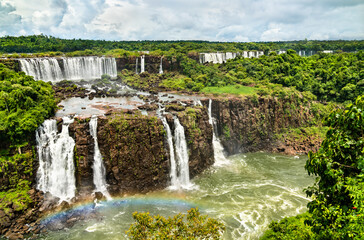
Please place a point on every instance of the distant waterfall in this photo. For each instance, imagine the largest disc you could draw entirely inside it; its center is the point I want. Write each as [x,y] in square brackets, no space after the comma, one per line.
[98,166]
[221,57]
[218,148]
[142,64]
[56,172]
[173,171]
[69,68]
[136,65]
[161,66]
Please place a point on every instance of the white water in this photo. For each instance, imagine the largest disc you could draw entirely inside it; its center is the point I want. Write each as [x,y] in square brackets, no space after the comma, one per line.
[173,171]
[183,177]
[161,66]
[221,57]
[142,64]
[74,68]
[56,172]
[219,156]
[98,166]
[136,66]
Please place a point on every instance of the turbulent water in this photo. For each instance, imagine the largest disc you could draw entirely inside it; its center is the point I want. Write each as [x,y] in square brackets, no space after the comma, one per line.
[246,195]
[56,167]
[70,68]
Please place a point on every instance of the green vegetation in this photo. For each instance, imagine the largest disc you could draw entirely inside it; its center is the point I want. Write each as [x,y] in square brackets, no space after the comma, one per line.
[289,228]
[24,104]
[232,89]
[337,209]
[42,44]
[182,226]
[299,135]
[330,77]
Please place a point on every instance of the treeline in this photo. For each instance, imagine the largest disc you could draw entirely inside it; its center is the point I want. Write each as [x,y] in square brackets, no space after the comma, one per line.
[329,77]
[43,43]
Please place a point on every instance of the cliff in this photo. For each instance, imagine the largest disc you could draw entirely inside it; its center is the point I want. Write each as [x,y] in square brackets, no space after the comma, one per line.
[251,124]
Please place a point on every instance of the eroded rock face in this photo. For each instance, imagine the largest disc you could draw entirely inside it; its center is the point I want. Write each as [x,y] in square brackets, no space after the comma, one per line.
[198,133]
[135,152]
[151,63]
[15,224]
[83,155]
[250,124]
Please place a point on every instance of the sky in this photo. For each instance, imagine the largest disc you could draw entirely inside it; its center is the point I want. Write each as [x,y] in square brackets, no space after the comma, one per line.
[212,20]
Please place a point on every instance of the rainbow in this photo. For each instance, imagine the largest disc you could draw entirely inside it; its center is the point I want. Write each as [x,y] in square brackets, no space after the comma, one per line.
[91,209]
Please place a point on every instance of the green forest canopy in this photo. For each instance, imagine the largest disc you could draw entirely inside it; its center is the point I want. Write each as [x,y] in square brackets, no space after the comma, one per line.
[43,43]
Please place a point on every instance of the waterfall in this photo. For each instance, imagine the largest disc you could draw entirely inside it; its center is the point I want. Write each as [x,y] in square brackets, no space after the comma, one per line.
[219,157]
[56,172]
[136,65]
[173,172]
[161,66]
[181,154]
[142,64]
[69,68]
[42,68]
[98,166]
[223,57]
[178,153]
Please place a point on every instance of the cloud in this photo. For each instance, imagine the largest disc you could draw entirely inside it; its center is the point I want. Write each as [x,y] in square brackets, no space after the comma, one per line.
[228,20]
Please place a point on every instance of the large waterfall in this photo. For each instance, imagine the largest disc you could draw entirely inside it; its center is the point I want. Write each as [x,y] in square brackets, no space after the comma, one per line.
[69,68]
[218,148]
[56,172]
[98,166]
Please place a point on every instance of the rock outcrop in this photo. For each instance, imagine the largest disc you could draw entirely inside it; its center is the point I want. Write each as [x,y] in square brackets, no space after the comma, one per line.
[250,124]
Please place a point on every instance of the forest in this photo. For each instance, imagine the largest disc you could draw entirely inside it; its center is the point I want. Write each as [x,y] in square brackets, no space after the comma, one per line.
[335,81]
[44,43]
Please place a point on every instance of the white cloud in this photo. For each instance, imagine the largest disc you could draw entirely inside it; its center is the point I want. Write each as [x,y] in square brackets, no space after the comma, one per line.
[228,20]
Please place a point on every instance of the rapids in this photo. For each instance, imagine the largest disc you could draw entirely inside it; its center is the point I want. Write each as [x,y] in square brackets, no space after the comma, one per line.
[246,195]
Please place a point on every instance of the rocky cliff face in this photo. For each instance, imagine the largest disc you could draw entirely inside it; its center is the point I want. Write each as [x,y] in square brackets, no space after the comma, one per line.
[250,124]
[151,63]
[135,152]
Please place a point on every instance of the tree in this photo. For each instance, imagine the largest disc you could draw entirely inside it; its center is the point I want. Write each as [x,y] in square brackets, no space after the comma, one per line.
[338,206]
[197,226]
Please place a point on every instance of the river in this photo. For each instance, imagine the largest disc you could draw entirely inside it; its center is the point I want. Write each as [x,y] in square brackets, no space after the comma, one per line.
[246,194]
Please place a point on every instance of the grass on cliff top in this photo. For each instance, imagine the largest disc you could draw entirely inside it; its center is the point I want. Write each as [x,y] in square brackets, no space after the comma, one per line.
[231,89]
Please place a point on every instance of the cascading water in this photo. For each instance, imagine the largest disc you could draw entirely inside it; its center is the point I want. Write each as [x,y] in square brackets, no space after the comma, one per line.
[173,172]
[223,57]
[42,68]
[56,172]
[73,68]
[98,166]
[220,159]
[136,65]
[161,66]
[181,155]
[142,64]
